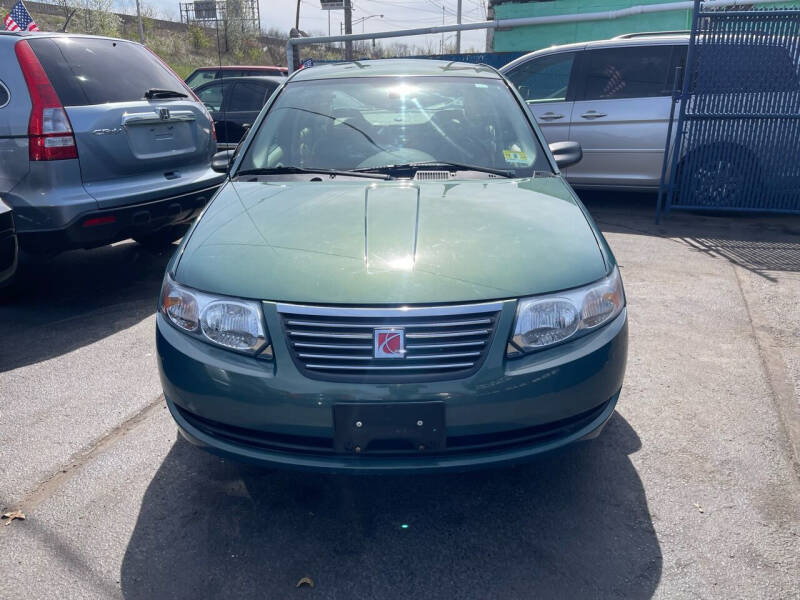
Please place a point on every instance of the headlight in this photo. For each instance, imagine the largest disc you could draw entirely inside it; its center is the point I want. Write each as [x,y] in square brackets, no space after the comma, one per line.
[227,322]
[546,320]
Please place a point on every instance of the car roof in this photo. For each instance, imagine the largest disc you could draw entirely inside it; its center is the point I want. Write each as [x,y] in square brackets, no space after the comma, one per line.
[59,34]
[645,38]
[274,79]
[232,67]
[394,67]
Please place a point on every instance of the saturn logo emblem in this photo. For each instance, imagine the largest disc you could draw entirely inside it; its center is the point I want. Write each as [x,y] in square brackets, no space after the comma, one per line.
[389,343]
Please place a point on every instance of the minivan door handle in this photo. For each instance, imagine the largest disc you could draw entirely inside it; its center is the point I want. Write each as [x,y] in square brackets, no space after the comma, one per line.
[550,116]
[593,114]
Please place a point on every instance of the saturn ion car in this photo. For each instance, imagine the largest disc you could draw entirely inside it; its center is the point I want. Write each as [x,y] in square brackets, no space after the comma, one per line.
[394,278]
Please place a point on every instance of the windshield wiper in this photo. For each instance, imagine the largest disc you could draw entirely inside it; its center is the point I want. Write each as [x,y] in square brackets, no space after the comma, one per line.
[438,163]
[157,93]
[296,170]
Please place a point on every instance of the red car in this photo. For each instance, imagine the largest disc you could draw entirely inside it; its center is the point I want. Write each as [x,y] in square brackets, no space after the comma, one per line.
[206,74]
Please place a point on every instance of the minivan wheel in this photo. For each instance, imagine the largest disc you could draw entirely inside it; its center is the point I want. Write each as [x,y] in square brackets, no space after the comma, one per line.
[719,179]
[163,238]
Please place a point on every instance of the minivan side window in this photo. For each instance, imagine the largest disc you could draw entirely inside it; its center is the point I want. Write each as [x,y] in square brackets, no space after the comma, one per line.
[725,69]
[628,72]
[544,79]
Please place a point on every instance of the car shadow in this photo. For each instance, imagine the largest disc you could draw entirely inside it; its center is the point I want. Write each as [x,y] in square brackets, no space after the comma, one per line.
[760,243]
[76,298]
[572,524]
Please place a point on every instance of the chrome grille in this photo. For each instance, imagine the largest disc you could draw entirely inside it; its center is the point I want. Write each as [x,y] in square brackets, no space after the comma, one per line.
[441,342]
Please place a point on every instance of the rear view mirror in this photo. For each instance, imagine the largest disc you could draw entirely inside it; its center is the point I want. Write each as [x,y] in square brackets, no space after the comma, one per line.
[221,161]
[566,153]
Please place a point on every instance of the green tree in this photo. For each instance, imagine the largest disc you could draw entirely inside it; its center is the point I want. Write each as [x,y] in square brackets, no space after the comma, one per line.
[199,38]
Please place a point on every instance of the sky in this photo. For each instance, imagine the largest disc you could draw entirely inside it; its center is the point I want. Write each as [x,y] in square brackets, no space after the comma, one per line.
[397,14]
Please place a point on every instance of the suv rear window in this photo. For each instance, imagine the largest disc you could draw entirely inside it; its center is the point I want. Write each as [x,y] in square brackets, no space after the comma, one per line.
[199,77]
[87,71]
[273,72]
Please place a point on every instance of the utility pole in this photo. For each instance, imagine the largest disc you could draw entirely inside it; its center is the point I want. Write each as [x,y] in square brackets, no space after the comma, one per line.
[458,33]
[441,43]
[348,29]
[297,17]
[139,18]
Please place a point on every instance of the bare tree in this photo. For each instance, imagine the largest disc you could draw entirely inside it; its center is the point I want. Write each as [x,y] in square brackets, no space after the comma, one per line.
[239,29]
[69,9]
[97,17]
[89,16]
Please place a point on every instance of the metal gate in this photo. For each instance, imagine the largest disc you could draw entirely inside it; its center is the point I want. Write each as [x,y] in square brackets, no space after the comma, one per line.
[737,141]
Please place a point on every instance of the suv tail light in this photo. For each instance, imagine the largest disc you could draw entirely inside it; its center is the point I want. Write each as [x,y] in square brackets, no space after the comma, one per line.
[50,135]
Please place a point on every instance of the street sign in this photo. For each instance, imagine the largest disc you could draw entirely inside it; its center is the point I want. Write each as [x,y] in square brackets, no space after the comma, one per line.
[332,4]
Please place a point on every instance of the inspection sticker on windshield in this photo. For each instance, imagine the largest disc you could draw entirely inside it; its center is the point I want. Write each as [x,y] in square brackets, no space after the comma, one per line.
[515,157]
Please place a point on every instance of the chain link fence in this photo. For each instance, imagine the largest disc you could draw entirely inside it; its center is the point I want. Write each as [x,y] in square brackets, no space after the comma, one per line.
[737,140]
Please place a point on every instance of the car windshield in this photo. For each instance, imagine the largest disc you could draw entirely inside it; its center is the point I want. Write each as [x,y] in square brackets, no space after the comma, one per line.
[376,123]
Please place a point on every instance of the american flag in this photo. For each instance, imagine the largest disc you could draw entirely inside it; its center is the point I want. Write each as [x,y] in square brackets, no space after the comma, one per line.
[20,19]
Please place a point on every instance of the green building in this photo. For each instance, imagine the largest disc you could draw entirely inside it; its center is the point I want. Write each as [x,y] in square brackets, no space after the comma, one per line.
[536,37]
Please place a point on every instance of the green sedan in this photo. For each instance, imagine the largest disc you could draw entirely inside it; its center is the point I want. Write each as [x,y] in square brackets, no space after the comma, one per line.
[394,278]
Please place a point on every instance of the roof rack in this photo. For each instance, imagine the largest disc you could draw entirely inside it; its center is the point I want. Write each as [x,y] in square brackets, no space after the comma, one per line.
[627,36]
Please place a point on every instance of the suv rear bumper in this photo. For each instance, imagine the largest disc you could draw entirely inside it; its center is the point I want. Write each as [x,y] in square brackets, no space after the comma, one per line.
[101,227]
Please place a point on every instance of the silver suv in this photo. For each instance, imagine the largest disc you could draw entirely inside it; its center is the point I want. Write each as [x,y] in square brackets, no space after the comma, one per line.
[611,96]
[100,141]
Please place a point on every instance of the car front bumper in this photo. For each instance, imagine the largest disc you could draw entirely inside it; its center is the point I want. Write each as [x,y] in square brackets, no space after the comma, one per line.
[267,412]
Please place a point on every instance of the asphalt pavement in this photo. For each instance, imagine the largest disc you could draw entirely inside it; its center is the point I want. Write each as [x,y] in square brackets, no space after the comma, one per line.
[692,491]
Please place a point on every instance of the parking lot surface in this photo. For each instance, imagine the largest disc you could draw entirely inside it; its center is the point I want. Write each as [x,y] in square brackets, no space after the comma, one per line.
[692,491]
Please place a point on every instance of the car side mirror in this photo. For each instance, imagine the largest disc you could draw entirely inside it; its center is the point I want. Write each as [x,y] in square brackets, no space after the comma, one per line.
[566,153]
[221,161]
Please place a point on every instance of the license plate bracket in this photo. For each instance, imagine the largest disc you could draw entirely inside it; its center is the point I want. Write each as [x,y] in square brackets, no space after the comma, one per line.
[380,427]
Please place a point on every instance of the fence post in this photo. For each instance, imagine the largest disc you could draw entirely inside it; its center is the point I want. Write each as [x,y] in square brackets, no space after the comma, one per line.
[687,76]
[675,96]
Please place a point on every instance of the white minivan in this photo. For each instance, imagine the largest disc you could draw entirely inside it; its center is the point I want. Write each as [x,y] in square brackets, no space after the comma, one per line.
[611,96]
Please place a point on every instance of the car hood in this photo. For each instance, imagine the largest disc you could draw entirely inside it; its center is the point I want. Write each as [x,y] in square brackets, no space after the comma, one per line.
[369,242]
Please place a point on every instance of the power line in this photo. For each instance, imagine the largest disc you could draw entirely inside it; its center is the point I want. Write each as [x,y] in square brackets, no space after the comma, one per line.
[430,8]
